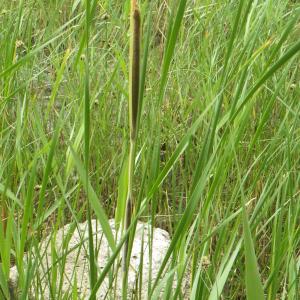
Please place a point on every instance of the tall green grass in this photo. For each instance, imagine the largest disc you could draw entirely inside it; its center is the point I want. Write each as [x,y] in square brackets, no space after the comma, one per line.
[216,160]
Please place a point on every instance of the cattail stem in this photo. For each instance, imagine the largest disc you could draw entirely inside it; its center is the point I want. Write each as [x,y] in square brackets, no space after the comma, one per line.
[134,75]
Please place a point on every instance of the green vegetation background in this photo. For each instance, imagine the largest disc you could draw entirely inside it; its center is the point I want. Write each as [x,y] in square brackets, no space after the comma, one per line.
[218,147]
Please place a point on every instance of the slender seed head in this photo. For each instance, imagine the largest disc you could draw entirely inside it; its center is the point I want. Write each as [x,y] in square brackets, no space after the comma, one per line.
[134,71]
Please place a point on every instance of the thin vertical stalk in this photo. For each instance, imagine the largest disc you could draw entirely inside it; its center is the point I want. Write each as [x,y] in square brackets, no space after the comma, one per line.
[134,75]
[93,270]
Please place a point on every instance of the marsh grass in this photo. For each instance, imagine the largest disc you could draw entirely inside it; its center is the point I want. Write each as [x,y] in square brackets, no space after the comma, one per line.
[216,160]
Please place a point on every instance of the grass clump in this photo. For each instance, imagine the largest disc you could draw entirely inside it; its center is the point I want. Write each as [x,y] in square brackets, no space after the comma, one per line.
[213,95]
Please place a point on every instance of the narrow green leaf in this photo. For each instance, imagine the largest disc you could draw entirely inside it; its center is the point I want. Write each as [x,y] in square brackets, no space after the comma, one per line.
[171,48]
[94,200]
[122,192]
[254,286]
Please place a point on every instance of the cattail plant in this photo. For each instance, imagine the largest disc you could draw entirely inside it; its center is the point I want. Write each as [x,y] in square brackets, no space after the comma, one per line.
[134,74]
